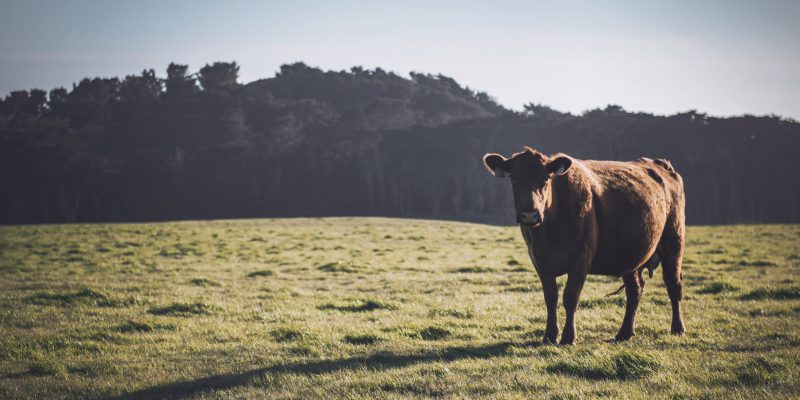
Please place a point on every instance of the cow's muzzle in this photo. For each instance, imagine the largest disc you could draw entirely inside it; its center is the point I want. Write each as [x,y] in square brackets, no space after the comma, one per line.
[531,219]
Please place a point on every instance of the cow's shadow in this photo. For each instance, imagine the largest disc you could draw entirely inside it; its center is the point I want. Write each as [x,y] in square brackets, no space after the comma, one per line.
[378,361]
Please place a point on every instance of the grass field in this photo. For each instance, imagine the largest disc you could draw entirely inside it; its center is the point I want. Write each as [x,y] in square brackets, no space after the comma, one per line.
[368,307]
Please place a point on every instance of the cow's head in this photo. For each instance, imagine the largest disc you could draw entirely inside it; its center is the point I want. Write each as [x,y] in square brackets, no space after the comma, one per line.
[531,174]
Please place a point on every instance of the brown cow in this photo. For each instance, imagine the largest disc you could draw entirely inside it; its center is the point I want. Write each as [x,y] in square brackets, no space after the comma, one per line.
[582,217]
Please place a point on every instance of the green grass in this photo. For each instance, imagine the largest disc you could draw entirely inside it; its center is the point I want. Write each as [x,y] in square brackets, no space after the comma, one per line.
[434,333]
[358,306]
[204,282]
[339,266]
[760,371]
[256,274]
[775,293]
[718,287]
[364,339]
[183,309]
[290,334]
[377,308]
[622,365]
[74,298]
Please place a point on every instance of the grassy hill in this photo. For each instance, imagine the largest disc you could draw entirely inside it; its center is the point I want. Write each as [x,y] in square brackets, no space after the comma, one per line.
[368,307]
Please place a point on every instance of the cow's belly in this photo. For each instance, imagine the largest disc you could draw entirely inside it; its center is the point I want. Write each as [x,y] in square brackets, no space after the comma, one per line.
[627,239]
[620,261]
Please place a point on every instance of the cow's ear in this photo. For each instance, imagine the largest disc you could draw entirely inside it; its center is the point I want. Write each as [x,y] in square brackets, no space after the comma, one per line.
[559,166]
[497,165]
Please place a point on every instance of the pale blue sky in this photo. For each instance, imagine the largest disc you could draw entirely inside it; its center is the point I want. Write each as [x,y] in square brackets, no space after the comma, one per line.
[722,57]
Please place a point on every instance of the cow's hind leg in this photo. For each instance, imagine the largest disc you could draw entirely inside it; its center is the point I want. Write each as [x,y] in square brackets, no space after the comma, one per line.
[572,293]
[550,289]
[634,285]
[670,250]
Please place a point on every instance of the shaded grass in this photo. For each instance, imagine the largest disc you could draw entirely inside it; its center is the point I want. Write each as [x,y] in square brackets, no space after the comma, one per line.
[46,367]
[141,327]
[759,371]
[434,333]
[184,309]
[362,339]
[460,314]
[623,365]
[359,306]
[780,293]
[473,270]
[203,282]
[262,273]
[718,287]
[339,266]
[290,334]
[757,263]
[84,296]
[602,302]
[519,289]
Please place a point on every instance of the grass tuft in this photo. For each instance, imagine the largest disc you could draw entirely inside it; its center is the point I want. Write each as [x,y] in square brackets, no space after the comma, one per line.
[630,365]
[519,289]
[602,302]
[434,333]
[450,312]
[45,368]
[84,296]
[339,266]
[359,306]
[140,327]
[363,339]
[473,270]
[202,282]
[625,365]
[759,371]
[781,293]
[757,263]
[288,334]
[184,309]
[262,273]
[718,287]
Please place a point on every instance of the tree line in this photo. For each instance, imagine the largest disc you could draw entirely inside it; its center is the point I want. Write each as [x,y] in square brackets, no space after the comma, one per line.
[308,142]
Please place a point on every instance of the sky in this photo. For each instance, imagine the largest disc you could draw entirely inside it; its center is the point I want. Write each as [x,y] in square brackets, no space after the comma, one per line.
[723,57]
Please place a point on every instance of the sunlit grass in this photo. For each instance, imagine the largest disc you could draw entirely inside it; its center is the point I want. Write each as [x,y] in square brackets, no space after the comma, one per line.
[372,307]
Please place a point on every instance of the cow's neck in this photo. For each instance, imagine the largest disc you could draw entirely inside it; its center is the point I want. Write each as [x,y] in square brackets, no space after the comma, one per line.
[562,213]
[555,212]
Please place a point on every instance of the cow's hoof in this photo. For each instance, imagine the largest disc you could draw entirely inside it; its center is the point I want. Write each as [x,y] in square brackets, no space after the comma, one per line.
[624,336]
[678,331]
[550,336]
[567,341]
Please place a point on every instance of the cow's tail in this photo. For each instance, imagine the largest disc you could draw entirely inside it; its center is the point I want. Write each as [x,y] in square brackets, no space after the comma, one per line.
[616,292]
[651,265]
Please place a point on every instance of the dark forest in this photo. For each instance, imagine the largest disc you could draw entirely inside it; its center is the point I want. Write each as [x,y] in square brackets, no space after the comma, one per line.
[309,142]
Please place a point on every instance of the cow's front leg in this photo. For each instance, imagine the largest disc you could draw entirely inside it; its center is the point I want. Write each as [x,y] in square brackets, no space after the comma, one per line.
[550,290]
[572,293]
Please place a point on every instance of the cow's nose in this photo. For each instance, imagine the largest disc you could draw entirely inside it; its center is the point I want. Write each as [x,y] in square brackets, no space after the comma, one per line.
[529,218]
